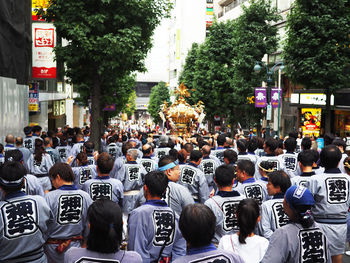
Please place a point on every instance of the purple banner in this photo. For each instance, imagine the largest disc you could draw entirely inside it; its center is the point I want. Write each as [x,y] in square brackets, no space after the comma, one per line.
[109,107]
[275,98]
[260,98]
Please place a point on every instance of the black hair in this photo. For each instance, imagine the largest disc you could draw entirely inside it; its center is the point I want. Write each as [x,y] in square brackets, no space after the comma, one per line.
[27,130]
[281,179]
[272,144]
[339,142]
[196,155]
[306,158]
[267,165]
[306,143]
[36,128]
[39,150]
[301,217]
[182,155]
[242,145]
[260,143]
[224,175]
[188,147]
[330,156]
[197,224]
[62,169]
[221,139]
[126,146]
[315,155]
[14,156]
[230,155]
[82,157]
[105,163]
[252,145]
[106,226]
[157,182]
[166,159]
[290,144]
[328,139]
[171,144]
[293,134]
[1,147]
[147,151]
[279,144]
[89,147]
[173,153]
[246,166]
[247,216]
[12,171]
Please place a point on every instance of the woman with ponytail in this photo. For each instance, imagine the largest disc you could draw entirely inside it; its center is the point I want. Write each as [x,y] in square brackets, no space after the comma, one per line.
[245,243]
[83,171]
[302,240]
[39,164]
[105,237]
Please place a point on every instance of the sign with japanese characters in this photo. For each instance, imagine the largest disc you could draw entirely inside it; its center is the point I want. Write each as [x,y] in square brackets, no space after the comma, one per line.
[260,98]
[229,209]
[70,209]
[164,227]
[44,40]
[280,216]
[187,175]
[312,246]
[33,100]
[101,190]
[20,218]
[133,173]
[254,191]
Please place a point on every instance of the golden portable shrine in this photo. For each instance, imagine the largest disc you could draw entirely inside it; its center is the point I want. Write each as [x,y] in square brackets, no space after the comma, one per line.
[182,117]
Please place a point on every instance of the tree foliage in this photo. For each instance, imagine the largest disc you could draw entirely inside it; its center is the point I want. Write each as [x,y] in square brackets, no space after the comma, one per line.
[317,51]
[159,94]
[107,40]
[220,71]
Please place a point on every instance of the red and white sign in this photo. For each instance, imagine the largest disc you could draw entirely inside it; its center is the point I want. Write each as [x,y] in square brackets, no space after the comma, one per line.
[44,40]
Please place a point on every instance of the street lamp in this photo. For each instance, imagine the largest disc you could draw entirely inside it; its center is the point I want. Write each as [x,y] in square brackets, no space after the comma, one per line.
[269,73]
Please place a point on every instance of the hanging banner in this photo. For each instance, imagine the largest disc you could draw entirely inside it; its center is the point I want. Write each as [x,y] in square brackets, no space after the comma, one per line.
[33,101]
[44,40]
[311,121]
[260,98]
[110,107]
[275,98]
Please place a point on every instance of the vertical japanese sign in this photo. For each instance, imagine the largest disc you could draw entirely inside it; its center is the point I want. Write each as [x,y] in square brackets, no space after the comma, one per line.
[260,98]
[33,97]
[44,40]
[275,98]
[209,14]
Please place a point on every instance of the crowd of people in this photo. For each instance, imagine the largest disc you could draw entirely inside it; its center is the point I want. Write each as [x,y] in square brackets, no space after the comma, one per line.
[164,198]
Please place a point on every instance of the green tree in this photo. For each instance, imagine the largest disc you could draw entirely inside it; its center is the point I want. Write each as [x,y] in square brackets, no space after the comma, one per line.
[316,50]
[107,40]
[222,75]
[159,94]
[131,105]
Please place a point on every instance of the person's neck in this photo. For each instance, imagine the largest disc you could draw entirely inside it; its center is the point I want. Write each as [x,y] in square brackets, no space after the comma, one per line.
[149,197]
[226,188]
[307,169]
[102,175]
[65,183]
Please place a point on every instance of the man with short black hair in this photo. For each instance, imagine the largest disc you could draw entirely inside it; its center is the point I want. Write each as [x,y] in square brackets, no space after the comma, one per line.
[242,146]
[194,179]
[248,185]
[197,225]
[112,148]
[305,161]
[331,193]
[219,151]
[103,186]
[306,143]
[290,158]
[24,220]
[230,157]
[69,206]
[224,203]
[153,227]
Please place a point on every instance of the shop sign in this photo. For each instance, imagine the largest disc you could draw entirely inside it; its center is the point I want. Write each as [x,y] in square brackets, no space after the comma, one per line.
[59,107]
[311,121]
[44,40]
[33,101]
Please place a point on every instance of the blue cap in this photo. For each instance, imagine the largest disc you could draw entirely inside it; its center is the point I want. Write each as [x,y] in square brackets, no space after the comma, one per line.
[299,195]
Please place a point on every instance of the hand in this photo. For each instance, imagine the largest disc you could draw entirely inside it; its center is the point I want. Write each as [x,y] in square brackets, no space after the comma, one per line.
[70,159]
[95,155]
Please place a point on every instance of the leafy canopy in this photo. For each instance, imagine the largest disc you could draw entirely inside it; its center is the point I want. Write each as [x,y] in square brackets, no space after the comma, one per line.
[159,94]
